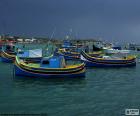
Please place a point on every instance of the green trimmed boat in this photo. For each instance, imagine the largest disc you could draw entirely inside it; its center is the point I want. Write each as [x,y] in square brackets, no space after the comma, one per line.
[49,67]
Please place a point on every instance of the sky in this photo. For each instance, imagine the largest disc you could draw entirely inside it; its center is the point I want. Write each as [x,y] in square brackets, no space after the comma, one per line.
[108,20]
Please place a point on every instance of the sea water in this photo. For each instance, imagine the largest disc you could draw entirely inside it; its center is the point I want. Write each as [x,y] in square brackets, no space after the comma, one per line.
[103,92]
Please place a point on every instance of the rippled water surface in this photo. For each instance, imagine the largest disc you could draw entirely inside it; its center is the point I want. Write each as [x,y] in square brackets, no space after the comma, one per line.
[103,92]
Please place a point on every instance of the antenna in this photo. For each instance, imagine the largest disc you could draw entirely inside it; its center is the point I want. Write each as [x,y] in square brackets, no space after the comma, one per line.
[52,33]
[70,32]
[49,42]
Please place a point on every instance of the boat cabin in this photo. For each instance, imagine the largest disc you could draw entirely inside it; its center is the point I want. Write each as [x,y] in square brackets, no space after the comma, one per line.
[53,62]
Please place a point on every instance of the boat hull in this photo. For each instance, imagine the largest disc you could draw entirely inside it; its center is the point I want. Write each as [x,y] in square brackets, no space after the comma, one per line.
[6,60]
[96,62]
[93,64]
[22,72]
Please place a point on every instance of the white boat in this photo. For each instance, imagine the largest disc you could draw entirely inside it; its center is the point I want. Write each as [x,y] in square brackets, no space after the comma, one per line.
[114,51]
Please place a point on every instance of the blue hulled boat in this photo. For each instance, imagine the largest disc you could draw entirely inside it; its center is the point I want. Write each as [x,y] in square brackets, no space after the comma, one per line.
[8,53]
[108,61]
[29,55]
[49,67]
[75,54]
[7,57]
[68,55]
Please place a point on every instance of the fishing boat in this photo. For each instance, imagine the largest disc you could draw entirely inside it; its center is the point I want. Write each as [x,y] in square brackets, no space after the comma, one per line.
[8,53]
[115,51]
[68,44]
[68,55]
[29,55]
[7,57]
[65,50]
[49,67]
[107,61]
[74,55]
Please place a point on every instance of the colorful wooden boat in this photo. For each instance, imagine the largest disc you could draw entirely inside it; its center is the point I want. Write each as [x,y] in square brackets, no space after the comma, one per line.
[108,61]
[8,52]
[9,57]
[52,67]
[70,55]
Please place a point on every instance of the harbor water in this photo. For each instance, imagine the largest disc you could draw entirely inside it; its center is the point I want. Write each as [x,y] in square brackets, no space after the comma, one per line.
[103,92]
